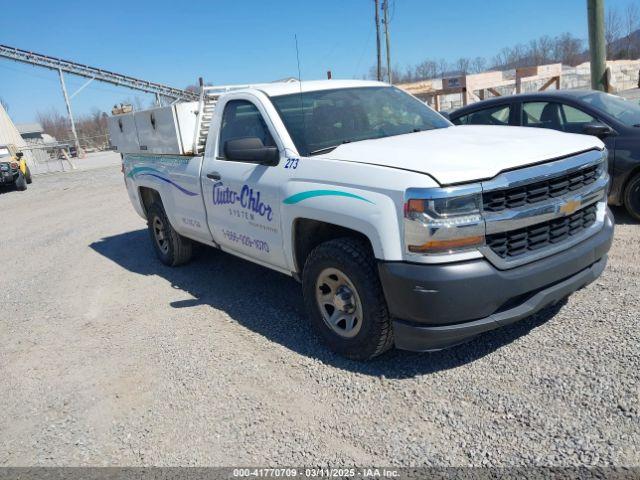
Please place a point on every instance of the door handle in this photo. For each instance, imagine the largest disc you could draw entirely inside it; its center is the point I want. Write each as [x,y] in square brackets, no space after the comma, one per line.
[214,176]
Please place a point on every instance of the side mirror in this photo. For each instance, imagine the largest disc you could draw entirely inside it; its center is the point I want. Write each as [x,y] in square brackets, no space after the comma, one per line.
[597,129]
[19,154]
[252,150]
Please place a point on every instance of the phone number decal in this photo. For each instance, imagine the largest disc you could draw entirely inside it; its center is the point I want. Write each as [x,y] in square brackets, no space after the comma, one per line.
[246,240]
[317,472]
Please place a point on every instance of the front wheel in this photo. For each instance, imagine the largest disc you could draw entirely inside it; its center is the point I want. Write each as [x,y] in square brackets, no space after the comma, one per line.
[632,197]
[27,176]
[344,299]
[171,248]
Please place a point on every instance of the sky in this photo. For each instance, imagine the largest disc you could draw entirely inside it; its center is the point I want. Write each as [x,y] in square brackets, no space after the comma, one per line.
[250,41]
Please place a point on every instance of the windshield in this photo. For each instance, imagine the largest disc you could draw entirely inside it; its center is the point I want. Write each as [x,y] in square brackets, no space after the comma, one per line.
[622,110]
[322,120]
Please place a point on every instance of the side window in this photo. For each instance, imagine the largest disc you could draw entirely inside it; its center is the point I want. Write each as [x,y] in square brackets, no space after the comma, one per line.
[491,116]
[463,120]
[542,115]
[554,115]
[575,119]
[242,119]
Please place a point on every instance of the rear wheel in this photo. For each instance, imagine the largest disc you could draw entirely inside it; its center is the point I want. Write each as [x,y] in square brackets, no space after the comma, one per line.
[171,248]
[21,182]
[344,299]
[632,197]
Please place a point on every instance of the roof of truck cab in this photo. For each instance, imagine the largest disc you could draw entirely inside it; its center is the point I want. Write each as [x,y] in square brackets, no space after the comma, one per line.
[286,88]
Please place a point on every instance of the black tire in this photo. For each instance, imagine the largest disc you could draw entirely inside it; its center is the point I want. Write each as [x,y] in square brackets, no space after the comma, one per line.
[171,248]
[632,197]
[21,182]
[354,258]
[28,176]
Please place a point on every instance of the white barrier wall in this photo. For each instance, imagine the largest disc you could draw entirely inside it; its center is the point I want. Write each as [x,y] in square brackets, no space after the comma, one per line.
[624,76]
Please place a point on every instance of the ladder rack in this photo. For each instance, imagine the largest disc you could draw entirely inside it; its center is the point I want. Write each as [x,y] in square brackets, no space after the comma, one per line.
[209,95]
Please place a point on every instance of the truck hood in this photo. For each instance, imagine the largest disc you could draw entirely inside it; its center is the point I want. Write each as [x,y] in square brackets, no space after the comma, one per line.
[466,153]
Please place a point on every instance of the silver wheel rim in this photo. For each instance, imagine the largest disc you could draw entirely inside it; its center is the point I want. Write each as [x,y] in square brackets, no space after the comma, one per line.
[339,303]
[161,238]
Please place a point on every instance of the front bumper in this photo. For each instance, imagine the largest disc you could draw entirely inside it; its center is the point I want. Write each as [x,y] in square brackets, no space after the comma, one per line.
[438,306]
[7,178]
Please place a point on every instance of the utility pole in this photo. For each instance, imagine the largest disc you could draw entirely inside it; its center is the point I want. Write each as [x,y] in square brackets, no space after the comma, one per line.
[385,9]
[597,45]
[377,19]
[73,124]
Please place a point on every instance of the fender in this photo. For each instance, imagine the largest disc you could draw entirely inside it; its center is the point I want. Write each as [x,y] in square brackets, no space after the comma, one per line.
[368,212]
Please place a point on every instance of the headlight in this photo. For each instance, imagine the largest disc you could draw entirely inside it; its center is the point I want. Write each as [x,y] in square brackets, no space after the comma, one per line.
[443,220]
[445,208]
[14,165]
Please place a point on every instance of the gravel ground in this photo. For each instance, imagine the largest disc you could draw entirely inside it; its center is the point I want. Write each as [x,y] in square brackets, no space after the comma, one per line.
[110,358]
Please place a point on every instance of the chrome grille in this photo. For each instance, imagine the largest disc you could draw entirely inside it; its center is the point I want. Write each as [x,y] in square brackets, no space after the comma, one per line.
[499,200]
[519,242]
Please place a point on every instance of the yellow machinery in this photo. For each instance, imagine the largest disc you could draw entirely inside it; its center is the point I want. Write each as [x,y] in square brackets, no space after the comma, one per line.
[13,168]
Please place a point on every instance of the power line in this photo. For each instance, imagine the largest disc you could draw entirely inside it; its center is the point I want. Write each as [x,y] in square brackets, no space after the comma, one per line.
[364,49]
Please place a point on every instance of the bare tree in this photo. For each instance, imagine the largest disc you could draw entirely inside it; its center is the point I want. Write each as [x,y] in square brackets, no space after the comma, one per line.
[479,64]
[443,67]
[501,58]
[510,57]
[564,48]
[568,49]
[631,17]
[92,128]
[462,65]
[55,124]
[425,70]
[612,29]
[408,76]
[541,50]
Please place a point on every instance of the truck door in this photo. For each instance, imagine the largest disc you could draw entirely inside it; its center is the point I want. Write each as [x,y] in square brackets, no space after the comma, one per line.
[242,199]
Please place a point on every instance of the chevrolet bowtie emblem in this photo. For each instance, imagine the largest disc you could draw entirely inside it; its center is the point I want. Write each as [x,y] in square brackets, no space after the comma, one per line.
[570,207]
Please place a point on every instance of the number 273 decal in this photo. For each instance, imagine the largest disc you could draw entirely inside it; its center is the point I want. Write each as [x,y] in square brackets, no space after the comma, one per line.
[291,163]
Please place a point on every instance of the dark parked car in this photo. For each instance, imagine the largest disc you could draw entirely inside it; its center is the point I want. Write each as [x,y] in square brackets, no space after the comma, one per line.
[615,120]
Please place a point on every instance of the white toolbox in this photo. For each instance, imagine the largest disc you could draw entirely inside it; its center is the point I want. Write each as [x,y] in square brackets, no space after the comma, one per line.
[162,130]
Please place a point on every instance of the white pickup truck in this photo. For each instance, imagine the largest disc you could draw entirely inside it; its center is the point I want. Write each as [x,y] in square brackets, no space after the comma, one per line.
[403,229]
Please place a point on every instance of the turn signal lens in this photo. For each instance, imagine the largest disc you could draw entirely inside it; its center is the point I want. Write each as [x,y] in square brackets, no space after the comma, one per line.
[435,246]
[415,206]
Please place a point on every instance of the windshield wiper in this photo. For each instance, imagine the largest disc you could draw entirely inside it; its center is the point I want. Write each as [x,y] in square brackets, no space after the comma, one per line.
[323,150]
[328,149]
